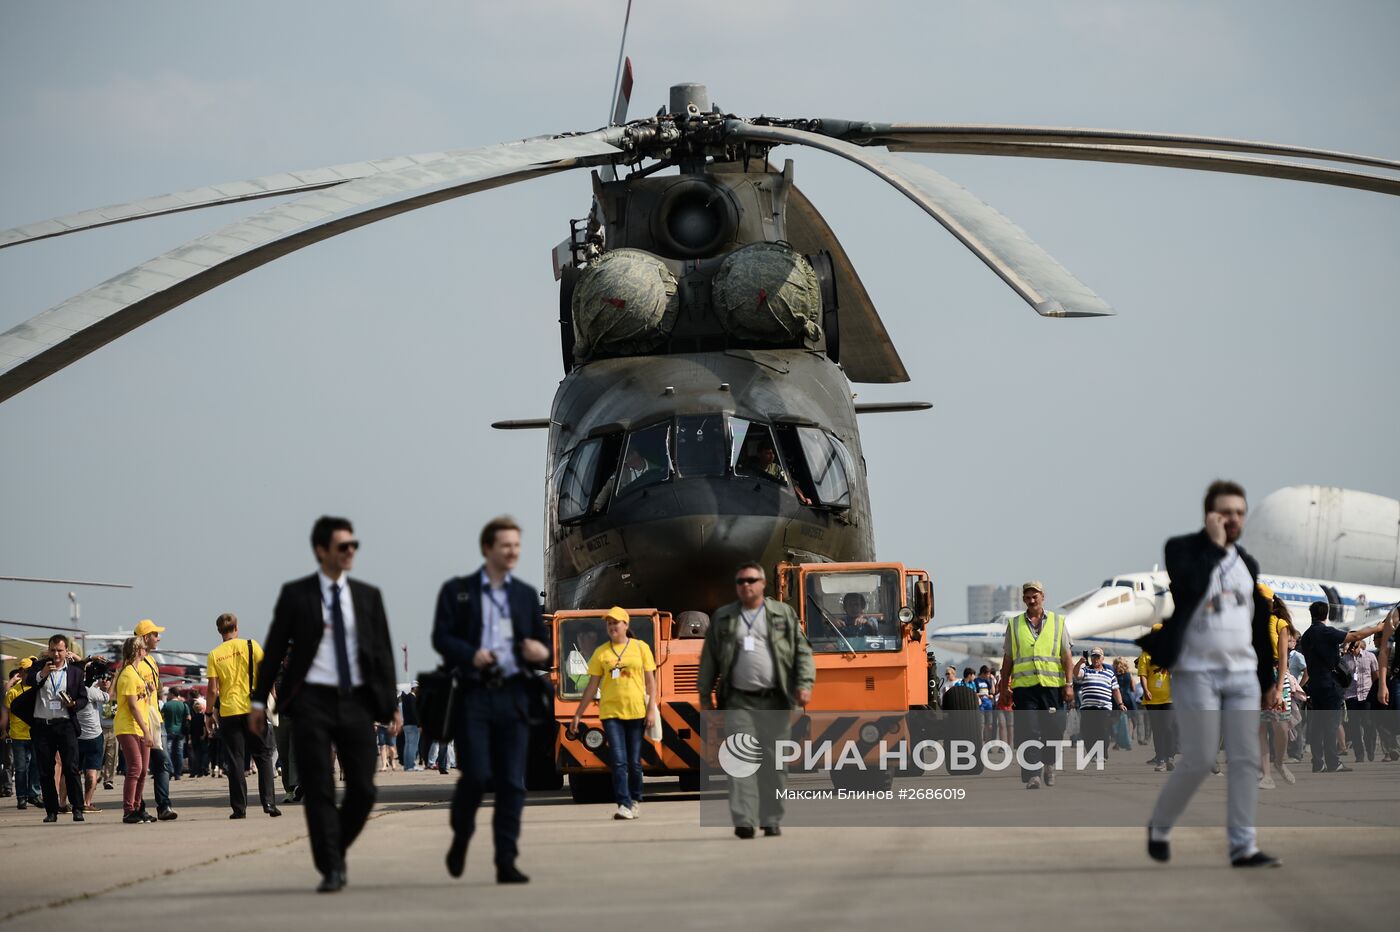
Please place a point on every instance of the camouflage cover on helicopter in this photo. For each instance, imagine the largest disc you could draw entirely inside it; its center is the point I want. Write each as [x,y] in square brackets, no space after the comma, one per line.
[768,291]
[625,302]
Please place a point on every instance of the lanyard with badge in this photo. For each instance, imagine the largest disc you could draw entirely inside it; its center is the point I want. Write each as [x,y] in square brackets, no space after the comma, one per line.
[750,643]
[1221,600]
[502,610]
[55,684]
[617,662]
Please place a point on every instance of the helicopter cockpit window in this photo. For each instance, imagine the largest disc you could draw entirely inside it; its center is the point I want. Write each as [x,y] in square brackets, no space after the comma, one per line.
[829,464]
[853,612]
[647,460]
[701,446]
[584,474]
[754,453]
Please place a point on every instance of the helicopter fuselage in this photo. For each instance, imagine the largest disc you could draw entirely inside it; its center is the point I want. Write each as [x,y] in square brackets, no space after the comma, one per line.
[661,480]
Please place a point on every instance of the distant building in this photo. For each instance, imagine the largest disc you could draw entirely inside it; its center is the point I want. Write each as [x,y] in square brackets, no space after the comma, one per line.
[984,601]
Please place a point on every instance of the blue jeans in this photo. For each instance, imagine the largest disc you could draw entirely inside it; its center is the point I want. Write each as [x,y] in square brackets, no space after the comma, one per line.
[175,746]
[410,747]
[160,775]
[625,757]
[26,771]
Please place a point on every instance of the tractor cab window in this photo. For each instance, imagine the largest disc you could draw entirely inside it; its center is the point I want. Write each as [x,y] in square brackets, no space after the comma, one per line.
[853,612]
[584,475]
[578,638]
[647,460]
[701,445]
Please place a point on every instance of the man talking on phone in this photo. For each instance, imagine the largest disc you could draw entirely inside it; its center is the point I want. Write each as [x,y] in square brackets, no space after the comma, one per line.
[1216,645]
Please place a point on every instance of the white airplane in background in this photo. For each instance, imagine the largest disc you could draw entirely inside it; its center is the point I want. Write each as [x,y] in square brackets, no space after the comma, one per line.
[1126,606]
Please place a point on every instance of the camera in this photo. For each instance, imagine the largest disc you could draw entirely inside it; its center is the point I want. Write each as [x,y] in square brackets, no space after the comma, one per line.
[96,668]
[492,676]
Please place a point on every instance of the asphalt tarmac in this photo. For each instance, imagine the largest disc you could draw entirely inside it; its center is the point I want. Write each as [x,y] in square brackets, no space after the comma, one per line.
[665,870]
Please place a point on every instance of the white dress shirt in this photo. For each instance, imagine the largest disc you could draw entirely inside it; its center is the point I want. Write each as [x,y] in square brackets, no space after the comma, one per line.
[324,671]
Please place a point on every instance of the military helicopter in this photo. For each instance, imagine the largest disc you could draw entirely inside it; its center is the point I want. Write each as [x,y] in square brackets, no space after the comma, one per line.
[711,324]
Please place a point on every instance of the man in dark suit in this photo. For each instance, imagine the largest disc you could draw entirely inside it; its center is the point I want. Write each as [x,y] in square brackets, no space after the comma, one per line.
[59,692]
[338,681]
[490,630]
[1217,646]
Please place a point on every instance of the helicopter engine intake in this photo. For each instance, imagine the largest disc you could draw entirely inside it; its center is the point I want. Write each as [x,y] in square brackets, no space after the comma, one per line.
[768,292]
[625,302]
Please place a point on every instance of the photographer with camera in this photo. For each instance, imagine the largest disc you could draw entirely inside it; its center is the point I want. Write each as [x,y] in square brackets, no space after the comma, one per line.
[60,694]
[91,743]
[489,628]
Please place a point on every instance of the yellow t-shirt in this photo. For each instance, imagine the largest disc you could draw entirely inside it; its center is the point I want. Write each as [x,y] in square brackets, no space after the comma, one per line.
[130,682]
[624,696]
[229,663]
[1157,681]
[19,731]
[1278,628]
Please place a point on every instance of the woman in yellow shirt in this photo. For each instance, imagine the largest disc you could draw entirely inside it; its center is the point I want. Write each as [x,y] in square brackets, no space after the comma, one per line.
[132,726]
[626,670]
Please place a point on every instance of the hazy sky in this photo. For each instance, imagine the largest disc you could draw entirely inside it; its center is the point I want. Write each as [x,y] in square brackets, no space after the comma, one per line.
[360,376]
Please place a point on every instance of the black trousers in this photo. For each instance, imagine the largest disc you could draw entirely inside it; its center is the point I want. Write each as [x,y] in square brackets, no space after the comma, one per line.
[1163,731]
[1323,720]
[57,736]
[1094,726]
[322,720]
[238,742]
[1043,719]
[492,742]
[1361,729]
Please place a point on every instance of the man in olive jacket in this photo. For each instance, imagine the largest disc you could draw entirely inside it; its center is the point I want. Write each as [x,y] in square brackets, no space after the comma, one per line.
[756,659]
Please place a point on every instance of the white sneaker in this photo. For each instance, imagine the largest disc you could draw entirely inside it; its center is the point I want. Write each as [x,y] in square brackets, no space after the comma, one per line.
[1285,774]
[1266,782]
[624,813]
[636,810]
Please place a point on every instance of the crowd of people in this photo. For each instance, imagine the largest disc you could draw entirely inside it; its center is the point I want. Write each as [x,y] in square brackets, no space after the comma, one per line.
[320,695]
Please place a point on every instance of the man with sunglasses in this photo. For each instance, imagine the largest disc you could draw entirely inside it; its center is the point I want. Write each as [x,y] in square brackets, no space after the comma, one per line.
[756,660]
[338,681]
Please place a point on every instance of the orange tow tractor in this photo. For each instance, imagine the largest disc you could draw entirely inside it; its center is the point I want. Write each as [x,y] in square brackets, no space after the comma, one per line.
[676,646]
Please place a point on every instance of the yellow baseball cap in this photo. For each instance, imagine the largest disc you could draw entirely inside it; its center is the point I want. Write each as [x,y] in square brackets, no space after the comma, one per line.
[145,626]
[616,613]
[26,663]
[1035,584]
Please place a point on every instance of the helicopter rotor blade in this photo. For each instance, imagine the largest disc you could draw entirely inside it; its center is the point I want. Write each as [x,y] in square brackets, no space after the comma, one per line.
[932,137]
[215,195]
[69,331]
[1031,272]
[1181,158]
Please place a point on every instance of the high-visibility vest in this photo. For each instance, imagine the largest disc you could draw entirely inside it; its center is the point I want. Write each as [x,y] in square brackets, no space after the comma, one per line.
[1036,661]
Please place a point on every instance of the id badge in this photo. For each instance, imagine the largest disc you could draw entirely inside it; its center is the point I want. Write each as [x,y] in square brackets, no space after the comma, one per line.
[748,642]
[55,706]
[617,673]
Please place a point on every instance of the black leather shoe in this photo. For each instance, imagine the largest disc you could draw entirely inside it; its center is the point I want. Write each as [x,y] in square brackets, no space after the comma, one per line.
[168,815]
[509,873]
[146,816]
[457,856]
[238,815]
[272,811]
[743,831]
[51,817]
[1257,859]
[78,817]
[1158,850]
[333,882]
[131,818]
[772,831]
[22,804]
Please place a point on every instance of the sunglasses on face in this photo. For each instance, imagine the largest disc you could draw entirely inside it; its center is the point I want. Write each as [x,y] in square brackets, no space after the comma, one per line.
[348,546]
[748,580]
